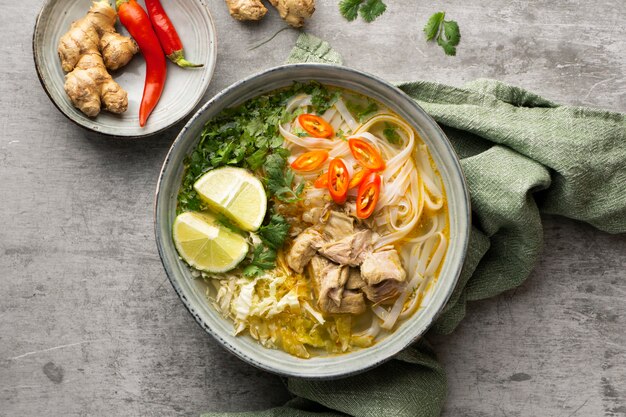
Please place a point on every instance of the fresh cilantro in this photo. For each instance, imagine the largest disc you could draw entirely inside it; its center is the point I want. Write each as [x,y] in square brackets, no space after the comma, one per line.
[361,111]
[245,136]
[279,179]
[263,258]
[391,134]
[446,32]
[341,134]
[299,132]
[322,99]
[371,9]
[368,9]
[275,232]
[349,9]
[272,237]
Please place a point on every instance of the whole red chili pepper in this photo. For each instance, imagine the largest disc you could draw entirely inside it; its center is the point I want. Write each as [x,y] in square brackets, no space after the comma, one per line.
[135,19]
[165,30]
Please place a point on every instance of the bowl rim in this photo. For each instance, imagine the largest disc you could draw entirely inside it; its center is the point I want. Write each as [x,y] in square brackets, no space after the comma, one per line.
[464,198]
[80,121]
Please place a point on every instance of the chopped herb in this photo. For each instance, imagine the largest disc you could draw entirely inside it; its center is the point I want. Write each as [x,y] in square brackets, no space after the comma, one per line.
[391,134]
[361,111]
[322,99]
[300,133]
[273,237]
[263,258]
[341,134]
[279,179]
[368,9]
[274,233]
[446,32]
[372,9]
[245,136]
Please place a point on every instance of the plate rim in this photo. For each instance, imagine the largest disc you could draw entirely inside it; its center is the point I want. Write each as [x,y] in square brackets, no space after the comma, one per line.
[78,122]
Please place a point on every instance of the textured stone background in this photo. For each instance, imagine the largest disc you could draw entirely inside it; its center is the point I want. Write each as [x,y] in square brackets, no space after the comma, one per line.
[89,324]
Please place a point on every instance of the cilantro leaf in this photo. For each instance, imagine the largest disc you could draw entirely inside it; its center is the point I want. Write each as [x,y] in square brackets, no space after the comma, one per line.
[371,9]
[360,111]
[274,233]
[447,47]
[256,159]
[446,32]
[368,9]
[391,135]
[322,99]
[350,9]
[244,136]
[452,32]
[279,179]
[432,26]
[263,258]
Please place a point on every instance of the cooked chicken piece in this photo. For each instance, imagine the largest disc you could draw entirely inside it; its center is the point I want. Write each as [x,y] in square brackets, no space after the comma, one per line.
[386,290]
[329,280]
[313,215]
[303,249]
[350,250]
[335,294]
[383,274]
[380,266]
[352,302]
[355,281]
[338,225]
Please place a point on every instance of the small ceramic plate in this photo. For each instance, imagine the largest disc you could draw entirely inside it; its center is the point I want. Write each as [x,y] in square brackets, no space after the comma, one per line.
[183,89]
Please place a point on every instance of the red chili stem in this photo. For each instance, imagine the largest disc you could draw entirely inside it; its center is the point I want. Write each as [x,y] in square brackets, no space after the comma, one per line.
[135,19]
[166,32]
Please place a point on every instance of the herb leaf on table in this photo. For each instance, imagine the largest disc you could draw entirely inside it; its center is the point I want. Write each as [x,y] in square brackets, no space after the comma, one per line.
[445,32]
[368,9]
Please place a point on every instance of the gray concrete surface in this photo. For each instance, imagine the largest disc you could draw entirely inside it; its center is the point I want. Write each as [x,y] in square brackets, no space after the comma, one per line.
[89,324]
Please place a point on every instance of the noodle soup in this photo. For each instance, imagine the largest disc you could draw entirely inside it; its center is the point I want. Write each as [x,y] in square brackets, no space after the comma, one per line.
[356,227]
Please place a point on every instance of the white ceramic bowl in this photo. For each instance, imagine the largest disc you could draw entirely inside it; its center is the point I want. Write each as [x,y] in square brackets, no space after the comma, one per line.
[183,90]
[192,291]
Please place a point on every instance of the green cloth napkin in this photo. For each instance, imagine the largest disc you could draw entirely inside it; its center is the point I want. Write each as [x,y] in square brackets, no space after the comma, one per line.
[522,155]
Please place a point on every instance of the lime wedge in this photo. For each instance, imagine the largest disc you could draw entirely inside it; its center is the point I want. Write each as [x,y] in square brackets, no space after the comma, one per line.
[207,245]
[236,193]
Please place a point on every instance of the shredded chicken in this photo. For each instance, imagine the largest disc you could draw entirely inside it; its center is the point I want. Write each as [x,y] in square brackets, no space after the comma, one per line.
[350,250]
[303,249]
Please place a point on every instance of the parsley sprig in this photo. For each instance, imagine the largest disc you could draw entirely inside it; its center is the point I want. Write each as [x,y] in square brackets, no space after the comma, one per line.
[368,9]
[446,32]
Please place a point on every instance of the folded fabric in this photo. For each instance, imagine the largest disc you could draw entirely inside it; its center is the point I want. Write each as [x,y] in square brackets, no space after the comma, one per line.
[522,155]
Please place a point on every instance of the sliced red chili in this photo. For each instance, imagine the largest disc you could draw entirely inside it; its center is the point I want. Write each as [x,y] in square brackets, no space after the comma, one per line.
[367,196]
[321,181]
[338,180]
[316,126]
[366,154]
[358,178]
[309,161]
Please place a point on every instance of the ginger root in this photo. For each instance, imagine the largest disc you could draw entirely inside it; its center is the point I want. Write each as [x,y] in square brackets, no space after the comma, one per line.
[246,9]
[292,11]
[86,51]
